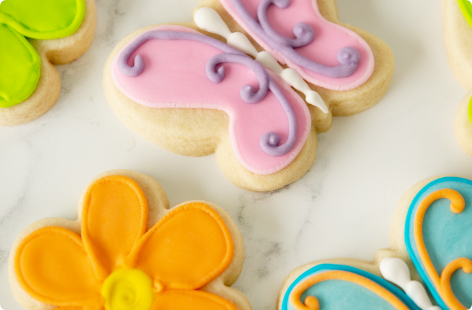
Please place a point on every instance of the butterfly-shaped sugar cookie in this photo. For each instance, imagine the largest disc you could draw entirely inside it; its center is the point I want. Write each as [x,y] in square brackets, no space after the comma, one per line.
[204,87]
[431,243]
[35,34]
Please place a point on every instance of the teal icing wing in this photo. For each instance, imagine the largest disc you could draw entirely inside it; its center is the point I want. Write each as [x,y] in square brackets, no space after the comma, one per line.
[339,294]
[447,236]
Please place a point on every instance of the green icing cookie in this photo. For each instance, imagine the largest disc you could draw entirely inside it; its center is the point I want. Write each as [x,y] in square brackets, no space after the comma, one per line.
[466,8]
[470,110]
[20,66]
[19,62]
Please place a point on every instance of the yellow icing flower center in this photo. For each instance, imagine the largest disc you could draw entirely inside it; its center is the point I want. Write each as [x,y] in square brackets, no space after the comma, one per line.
[128,289]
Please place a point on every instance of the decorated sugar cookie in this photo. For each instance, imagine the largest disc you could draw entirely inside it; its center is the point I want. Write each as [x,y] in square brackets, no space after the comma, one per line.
[128,250]
[251,80]
[431,245]
[458,33]
[463,124]
[35,35]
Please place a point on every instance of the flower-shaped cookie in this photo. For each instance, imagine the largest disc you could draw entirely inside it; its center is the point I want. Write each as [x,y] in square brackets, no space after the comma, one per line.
[23,61]
[117,263]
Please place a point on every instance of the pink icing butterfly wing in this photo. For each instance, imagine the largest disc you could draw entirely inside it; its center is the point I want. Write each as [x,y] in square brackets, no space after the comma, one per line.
[295,33]
[172,73]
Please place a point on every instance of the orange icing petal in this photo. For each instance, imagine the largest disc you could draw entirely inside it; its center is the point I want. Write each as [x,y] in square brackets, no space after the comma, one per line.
[114,218]
[52,266]
[77,308]
[195,300]
[186,249]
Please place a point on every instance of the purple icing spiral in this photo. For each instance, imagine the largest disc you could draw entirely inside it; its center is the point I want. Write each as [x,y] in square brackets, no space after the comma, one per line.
[348,57]
[270,141]
[303,33]
[247,92]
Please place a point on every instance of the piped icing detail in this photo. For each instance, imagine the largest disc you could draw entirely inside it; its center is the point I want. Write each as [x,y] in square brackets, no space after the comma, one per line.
[348,57]
[209,20]
[323,53]
[396,271]
[312,303]
[440,217]
[269,141]
[127,289]
[139,71]
[332,286]
[437,234]
[117,264]
[20,63]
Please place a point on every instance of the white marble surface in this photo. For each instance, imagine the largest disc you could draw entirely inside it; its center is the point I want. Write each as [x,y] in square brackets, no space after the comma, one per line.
[342,208]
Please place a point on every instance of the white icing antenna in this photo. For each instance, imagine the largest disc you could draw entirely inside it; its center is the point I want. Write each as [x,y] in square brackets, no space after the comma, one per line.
[396,271]
[209,20]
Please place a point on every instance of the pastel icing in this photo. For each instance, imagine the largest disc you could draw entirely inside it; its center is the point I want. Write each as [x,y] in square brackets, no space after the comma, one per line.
[117,263]
[466,8]
[19,61]
[335,294]
[396,270]
[318,44]
[346,294]
[175,76]
[22,64]
[446,230]
[469,110]
[127,289]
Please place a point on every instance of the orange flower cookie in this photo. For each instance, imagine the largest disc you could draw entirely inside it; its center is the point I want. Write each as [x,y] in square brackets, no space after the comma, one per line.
[128,251]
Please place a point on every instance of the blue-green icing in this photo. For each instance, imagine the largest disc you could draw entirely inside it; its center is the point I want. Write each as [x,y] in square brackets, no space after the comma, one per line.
[341,295]
[447,236]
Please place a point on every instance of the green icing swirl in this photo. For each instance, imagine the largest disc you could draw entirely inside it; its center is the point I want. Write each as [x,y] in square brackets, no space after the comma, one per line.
[20,64]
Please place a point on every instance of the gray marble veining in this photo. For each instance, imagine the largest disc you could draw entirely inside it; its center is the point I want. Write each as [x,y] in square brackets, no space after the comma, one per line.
[341,208]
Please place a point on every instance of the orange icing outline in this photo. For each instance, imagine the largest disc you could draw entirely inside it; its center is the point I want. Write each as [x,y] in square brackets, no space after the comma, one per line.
[133,256]
[131,203]
[312,303]
[443,283]
[24,284]
[215,298]
[100,270]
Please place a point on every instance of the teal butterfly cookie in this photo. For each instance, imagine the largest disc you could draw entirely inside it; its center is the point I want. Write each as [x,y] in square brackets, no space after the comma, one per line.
[431,238]
[22,23]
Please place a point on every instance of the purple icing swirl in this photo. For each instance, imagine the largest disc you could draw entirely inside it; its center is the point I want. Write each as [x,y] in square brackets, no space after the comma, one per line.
[247,92]
[304,34]
[348,57]
[270,141]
